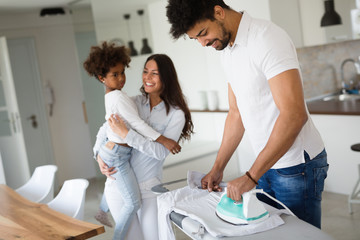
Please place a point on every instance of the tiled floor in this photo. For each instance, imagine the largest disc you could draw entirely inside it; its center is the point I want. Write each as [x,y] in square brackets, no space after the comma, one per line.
[336,220]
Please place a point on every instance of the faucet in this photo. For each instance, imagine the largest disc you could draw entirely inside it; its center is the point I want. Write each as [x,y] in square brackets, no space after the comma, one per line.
[344,86]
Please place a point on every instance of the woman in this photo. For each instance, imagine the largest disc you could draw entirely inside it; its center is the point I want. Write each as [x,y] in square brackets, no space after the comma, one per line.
[163,106]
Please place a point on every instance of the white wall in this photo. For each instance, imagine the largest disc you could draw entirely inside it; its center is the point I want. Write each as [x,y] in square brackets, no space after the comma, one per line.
[257,9]
[286,13]
[110,23]
[56,52]
[313,34]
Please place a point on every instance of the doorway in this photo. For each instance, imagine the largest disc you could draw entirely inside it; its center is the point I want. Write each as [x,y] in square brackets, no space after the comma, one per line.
[30,97]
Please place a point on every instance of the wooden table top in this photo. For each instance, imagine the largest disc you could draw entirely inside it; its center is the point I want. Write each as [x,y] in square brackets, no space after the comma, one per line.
[23,219]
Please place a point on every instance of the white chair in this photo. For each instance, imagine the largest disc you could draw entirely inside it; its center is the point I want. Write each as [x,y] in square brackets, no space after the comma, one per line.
[2,173]
[71,198]
[40,187]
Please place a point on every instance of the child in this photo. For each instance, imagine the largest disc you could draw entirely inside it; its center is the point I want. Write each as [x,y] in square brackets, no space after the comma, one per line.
[107,63]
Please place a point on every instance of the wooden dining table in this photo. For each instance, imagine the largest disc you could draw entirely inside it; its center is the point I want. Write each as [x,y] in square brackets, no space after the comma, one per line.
[23,219]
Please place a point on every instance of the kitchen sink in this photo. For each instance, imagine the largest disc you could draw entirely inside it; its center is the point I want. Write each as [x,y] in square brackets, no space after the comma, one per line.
[342,97]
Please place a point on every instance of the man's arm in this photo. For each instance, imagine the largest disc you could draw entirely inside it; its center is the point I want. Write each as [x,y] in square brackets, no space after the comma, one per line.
[233,133]
[287,92]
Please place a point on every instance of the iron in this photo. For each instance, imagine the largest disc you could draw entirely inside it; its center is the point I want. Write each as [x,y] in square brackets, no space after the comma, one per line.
[247,211]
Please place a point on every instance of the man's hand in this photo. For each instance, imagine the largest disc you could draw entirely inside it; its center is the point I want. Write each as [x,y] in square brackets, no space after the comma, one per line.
[211,181]
[104,168]
[238,186]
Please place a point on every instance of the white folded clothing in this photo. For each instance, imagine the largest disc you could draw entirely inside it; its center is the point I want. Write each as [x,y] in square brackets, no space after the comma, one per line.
[200,205]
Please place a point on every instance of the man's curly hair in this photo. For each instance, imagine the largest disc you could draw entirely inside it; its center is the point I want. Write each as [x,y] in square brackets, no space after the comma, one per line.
[184,14]
[104,57]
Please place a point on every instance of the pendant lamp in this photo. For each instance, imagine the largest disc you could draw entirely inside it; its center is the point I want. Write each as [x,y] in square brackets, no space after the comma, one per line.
[331,17]
[52,11]
[133,51]
[145,48]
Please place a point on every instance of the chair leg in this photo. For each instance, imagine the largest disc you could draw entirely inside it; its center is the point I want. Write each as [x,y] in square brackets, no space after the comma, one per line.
[350,206]
[354,196]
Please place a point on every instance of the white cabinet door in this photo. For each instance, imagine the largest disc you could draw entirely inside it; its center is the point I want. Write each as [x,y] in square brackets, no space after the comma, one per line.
[339,132]
[12,144]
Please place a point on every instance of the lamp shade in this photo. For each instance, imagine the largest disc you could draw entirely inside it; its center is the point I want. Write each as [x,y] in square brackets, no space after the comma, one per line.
[331,17]
[133,51]
[146,48]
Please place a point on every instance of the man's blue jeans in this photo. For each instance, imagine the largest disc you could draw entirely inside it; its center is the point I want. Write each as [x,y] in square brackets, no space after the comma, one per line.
[299,187]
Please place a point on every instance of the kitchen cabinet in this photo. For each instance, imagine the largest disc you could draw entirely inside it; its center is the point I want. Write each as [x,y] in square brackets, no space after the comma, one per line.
[301,20]
[339,132]
[339,125]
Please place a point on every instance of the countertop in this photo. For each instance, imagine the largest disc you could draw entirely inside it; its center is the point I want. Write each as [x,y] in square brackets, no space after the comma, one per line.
[318,106]
[349,107]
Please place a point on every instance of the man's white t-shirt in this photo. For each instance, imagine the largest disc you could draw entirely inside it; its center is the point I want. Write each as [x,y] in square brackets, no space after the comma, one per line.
[118,102]
[261,51]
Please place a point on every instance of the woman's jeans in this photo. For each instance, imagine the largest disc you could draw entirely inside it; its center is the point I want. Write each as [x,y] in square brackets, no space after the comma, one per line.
[298,187]
[118,156]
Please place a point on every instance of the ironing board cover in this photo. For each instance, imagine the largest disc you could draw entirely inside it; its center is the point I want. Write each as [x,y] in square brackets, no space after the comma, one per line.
[200,205]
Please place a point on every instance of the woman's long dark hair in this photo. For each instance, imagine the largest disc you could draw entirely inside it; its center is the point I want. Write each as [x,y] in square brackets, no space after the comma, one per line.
[171,92]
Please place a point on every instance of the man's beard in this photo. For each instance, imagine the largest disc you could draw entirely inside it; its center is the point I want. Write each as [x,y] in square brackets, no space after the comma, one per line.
[224,41]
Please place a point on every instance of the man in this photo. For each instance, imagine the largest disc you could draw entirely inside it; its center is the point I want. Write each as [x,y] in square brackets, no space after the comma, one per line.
[265,99]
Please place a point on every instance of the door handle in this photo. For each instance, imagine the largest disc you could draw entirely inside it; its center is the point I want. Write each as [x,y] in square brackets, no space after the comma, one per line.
[33,121]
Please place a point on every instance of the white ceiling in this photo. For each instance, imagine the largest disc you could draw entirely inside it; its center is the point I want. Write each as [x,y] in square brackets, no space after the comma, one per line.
[32,5]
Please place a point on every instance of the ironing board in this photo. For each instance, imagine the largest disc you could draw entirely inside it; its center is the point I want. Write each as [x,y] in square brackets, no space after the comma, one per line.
[293,228]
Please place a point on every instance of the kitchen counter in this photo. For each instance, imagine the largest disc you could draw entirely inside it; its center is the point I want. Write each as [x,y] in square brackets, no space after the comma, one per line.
[316,106]
[349,107]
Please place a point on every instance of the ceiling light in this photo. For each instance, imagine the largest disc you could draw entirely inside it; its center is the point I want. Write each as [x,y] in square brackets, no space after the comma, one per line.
[52,11]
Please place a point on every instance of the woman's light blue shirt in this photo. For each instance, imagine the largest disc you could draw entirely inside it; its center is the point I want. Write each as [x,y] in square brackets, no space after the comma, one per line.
[148,156]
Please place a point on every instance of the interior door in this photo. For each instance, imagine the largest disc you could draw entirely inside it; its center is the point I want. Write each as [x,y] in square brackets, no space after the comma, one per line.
[30,100]
[12,144]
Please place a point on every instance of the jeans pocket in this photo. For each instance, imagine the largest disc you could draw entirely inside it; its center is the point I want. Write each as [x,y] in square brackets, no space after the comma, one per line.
[319,177]
[289,183]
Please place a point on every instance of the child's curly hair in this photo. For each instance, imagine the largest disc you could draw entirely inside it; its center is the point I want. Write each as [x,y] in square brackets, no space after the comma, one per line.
[104,57]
